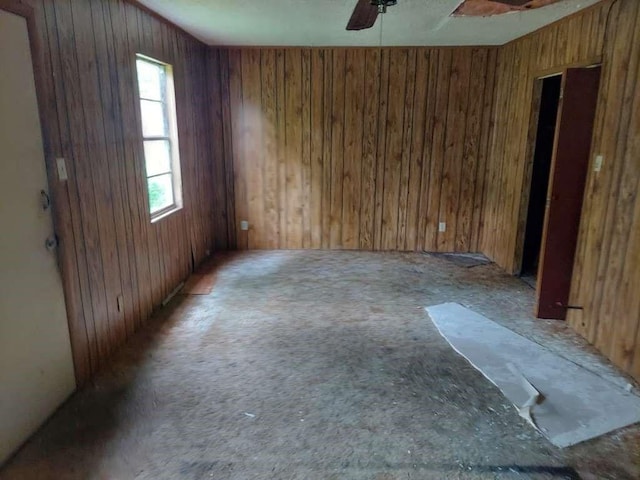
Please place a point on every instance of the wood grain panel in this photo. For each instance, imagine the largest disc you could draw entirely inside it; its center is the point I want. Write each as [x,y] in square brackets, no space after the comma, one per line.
[409,103]
[351,182]
[108,246]
[369,148]
[337,147]
[437,159]
[394,145]
[317,119]
[293,146]
[607,265]
[455,135]
[375,148]
[417,137]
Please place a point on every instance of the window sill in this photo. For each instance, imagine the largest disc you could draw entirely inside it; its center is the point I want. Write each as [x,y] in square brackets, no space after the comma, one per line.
[164,214]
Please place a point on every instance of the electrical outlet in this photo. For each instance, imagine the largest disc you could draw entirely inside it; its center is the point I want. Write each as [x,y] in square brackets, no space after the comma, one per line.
[597,164]
[442,227]
[244,225]
[62,169]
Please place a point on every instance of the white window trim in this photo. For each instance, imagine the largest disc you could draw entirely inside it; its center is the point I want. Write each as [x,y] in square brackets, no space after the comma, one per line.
[174,144]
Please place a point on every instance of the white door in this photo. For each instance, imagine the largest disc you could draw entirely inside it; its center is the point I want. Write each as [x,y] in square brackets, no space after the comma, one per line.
[36,369]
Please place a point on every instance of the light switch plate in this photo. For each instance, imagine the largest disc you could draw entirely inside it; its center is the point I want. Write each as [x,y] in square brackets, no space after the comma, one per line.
[62,169]
[244,225]
[597,164]
[442,227]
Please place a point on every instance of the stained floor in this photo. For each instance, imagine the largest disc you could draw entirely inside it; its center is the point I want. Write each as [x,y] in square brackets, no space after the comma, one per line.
[318,365]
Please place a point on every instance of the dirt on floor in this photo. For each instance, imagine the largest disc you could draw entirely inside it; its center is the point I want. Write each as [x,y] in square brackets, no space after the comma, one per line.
[318,365]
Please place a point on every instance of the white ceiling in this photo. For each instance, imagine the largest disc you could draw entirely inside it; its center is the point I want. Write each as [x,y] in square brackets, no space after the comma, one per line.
[323,22]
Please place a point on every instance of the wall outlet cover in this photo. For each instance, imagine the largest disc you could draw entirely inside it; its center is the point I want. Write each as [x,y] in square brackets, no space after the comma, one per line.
[62,169]
[244,225]
[597,164]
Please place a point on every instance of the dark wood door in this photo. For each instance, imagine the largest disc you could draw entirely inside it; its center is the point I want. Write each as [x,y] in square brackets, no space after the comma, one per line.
[566,190]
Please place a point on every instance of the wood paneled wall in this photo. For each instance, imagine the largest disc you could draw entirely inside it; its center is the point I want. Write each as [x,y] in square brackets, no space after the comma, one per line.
[607,267]
[109,248]
[577,40]
[359,148]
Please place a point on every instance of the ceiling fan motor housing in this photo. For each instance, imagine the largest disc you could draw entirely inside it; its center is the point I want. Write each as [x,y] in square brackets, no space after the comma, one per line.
[383,4]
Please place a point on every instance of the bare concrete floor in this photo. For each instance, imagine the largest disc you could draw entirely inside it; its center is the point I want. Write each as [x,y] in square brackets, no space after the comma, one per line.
[317,365]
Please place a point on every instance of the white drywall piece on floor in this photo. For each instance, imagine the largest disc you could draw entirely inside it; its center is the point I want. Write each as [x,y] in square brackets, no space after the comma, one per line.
[574,405]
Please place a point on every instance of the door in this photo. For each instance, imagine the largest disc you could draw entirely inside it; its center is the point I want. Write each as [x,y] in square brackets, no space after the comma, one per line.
[566,190]
[36,369]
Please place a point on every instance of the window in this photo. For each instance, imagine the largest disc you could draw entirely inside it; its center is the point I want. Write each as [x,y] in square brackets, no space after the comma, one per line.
[159,136]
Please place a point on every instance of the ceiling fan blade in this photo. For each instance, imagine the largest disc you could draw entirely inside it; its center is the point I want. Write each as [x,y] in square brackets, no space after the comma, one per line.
[364,16]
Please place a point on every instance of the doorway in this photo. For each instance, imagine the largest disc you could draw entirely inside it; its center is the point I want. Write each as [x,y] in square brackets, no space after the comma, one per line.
[36,367]
[541,170]
[570,160]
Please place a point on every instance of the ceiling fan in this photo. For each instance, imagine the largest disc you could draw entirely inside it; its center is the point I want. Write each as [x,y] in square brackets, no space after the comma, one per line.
[366,13]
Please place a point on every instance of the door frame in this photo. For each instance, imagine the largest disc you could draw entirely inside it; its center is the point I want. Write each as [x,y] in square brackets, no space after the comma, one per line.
[57,190]
[532,137]
[536,89]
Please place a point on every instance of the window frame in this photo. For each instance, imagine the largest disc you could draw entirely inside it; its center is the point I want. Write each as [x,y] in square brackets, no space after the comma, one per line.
[168,103]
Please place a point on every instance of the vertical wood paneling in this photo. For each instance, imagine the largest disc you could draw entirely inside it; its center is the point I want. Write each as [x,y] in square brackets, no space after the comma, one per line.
[269,149]
[607,264]
[337,147]
[90,117]
[317,138]
[426,192]
[252,145]
[56,137]
[217,150]
[437,144]
[620,201]
[409,107]
[306,148]
[383,110]
[326,148]
[293,146]
[110,87]
[282,149]
[483,163]
[238,133]
[374,146]
[393,151]
[81,166]
[229,177]
[369,148]
[453,170]
[469,177]
[351,176]
[134,161]
[418,140]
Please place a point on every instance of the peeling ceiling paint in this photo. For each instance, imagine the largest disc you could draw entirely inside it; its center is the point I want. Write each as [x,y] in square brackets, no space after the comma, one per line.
[485,8]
